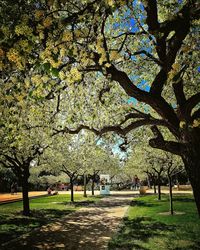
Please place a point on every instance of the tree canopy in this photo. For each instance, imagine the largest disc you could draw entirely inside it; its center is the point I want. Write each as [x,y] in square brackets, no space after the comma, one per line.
[112,65]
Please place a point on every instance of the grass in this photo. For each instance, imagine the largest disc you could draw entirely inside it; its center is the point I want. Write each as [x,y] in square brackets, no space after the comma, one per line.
[147,227]
[44,210]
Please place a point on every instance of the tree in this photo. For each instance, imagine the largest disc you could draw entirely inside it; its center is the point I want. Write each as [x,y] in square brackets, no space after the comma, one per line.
[150,54]
[67,154]
[153,162]
[20,155]
[100,161]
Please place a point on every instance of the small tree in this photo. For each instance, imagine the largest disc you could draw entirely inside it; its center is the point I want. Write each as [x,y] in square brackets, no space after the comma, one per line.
[23,140]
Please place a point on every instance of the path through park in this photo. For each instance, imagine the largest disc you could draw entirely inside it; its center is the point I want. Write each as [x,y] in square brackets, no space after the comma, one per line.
[89,228]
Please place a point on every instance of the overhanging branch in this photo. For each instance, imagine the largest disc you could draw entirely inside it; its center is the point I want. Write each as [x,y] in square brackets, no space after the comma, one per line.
[169,146]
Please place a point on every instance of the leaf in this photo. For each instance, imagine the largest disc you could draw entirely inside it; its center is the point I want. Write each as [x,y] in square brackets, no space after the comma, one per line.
[46,66]
[55,72]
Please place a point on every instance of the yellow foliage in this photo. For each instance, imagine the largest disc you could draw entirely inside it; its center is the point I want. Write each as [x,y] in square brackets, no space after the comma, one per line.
[67,36]
[176,67]
[23,29]
[107,65]
[41,35]
[38,14]
[182,124]
[78,33]
[5,30]
[47,22]
[74,75]
[186,48]
[24,45]
[62,52]
[102,58]
[54,64]
[1,53]
[39,28]
[36,79]
[14,56]
[114,55]
[110,2]
[62,75]
[196,123]
[45,78]
[1,65]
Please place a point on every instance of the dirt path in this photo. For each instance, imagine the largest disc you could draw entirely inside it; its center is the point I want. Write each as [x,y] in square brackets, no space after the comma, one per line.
[89,228]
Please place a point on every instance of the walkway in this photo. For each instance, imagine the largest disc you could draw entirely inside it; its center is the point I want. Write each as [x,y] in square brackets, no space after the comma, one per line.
[86,229]
[5,197]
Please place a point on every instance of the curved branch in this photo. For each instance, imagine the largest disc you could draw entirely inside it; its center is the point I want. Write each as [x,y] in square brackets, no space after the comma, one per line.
[192,102]
[169,146]
[156,102]
[196,114]
[115,128]
[156,60]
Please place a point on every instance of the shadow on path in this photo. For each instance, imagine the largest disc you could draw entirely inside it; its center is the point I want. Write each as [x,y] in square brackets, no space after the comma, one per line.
[89,228]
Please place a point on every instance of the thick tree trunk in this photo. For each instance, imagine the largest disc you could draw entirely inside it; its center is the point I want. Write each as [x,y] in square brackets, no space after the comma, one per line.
[170,196]
[72,189]
[196,191]
[192,166]
[25,189]
[92,187]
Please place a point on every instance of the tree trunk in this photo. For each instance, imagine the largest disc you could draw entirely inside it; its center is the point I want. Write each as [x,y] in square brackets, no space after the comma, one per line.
[92,187]
[25,189]
[159,188]
[192,166]
[170,195]
[148,182]
[85,185]
[72,189]
[154,184]
[154,187]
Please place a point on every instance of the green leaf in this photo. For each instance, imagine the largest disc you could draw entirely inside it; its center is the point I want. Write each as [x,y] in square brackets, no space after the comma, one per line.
[54,72]
[46,66]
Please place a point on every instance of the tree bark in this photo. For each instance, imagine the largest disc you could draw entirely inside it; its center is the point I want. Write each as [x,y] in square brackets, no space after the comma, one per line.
[159,188]
[170,195]
[154,187]
[72,189]
[92,187]
[25,189]
[85,185]
[191,159]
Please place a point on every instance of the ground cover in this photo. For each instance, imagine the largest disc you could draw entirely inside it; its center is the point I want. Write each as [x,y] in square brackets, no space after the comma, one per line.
[44,210]
[147,226]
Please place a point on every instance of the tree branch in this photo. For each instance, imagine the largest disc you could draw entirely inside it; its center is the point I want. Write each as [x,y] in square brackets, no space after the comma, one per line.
[169,146]
[156,102]
[156,60]
[152,15]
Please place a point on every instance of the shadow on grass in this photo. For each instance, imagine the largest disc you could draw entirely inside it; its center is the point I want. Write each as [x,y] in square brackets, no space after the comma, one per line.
[14,225]
[135,230]
[142,204]
[183,199]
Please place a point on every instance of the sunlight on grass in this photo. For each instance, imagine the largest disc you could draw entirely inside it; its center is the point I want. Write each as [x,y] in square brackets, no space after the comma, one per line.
[145,228]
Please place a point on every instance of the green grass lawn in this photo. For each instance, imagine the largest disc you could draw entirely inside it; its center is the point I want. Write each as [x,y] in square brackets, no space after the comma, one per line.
[147,226]
[44,210]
